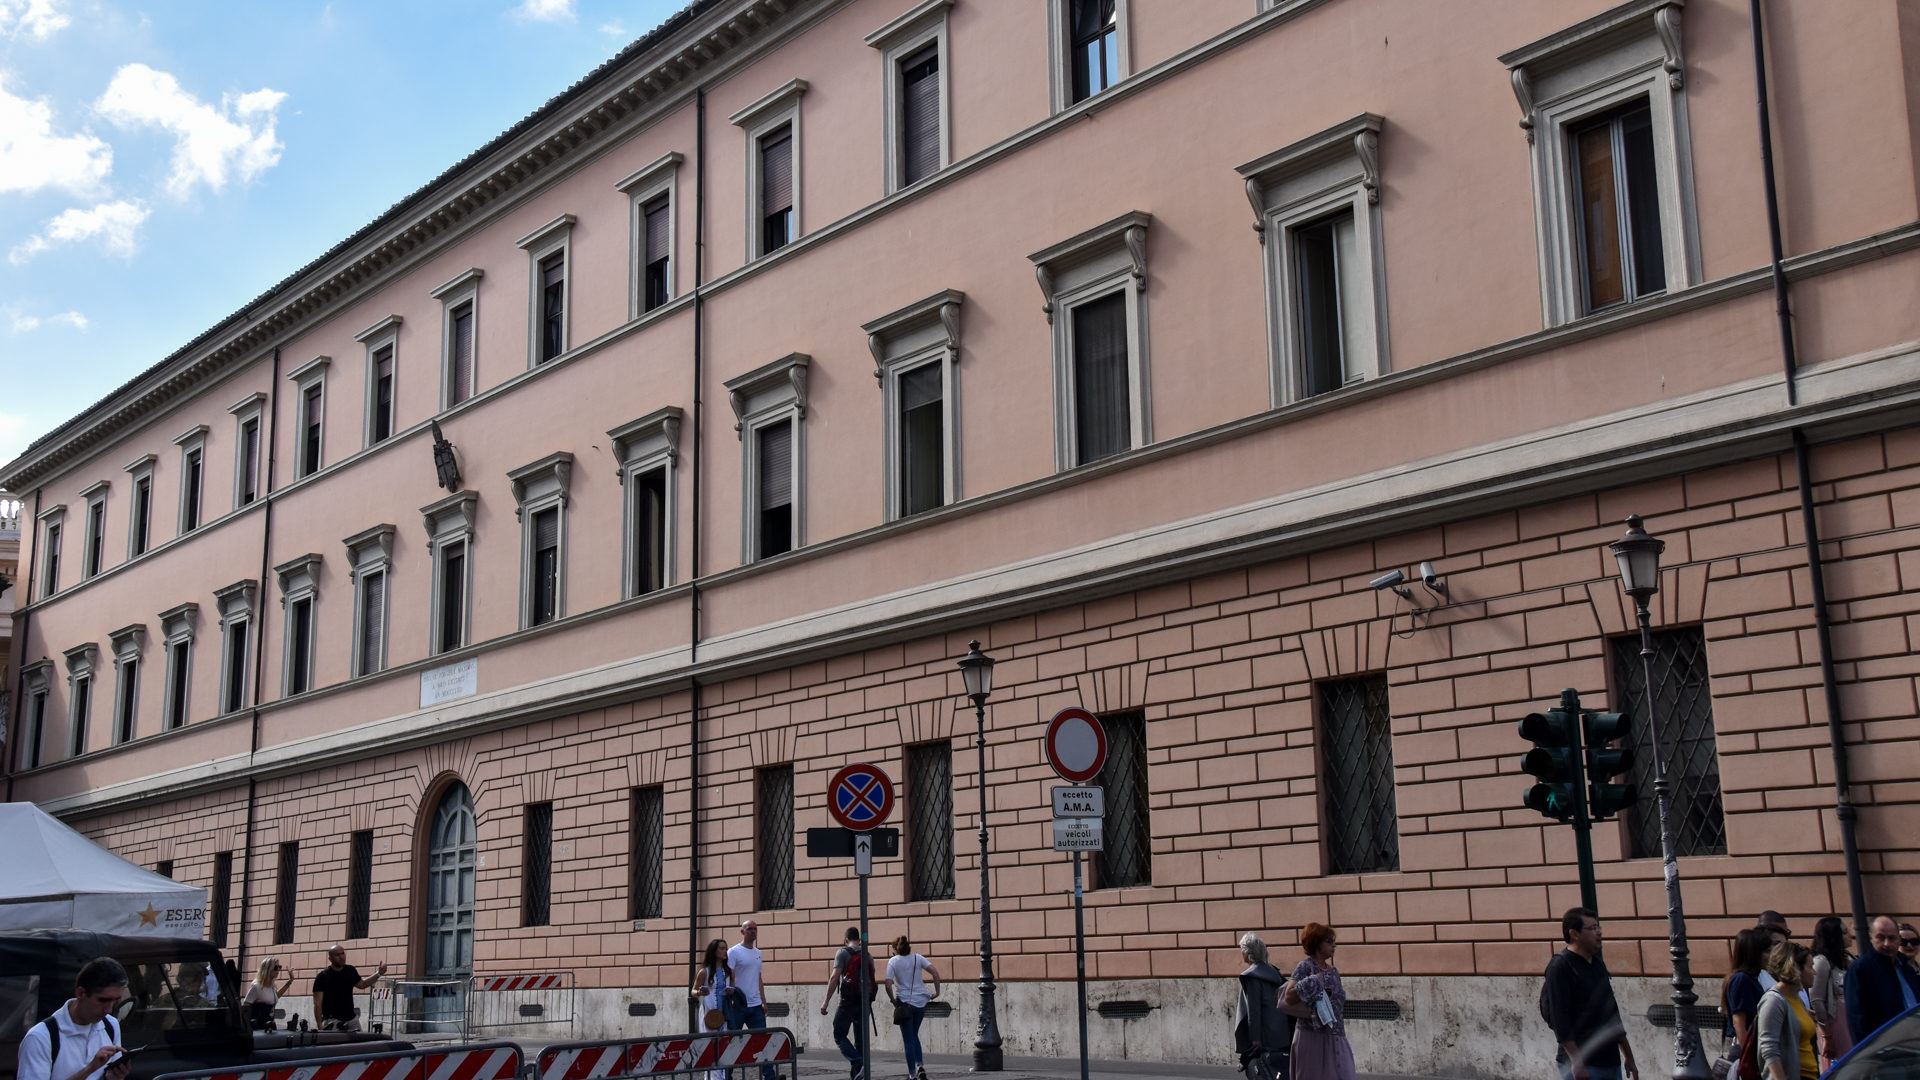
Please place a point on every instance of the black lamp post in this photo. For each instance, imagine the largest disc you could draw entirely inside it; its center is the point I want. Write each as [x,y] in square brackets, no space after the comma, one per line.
[1639,557]
[977,669]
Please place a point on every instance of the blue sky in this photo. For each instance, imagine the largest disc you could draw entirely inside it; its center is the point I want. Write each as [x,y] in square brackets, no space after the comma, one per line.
[160,166]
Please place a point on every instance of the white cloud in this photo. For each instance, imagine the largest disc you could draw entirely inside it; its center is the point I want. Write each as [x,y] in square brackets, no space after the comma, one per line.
[33,157]
[613,29]
[545,10]
[21,323]
[211,145]
[114,224]
[40,18]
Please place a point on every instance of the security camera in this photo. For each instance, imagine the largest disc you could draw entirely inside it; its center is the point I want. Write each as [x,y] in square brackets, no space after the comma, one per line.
[1432,580]
[1393,580]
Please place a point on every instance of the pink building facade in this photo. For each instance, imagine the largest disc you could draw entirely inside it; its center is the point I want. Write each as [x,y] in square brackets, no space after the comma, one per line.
[498,593]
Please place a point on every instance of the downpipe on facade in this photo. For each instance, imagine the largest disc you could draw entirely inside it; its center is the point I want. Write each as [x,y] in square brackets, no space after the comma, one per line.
[694,1011]
[259,659]
[1810,529]
[25,619]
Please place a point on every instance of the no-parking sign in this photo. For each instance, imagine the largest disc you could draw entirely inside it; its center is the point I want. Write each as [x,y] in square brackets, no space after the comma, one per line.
[860,797]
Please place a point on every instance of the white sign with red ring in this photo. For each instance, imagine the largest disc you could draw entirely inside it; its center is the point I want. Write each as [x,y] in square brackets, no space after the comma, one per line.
[1076,745]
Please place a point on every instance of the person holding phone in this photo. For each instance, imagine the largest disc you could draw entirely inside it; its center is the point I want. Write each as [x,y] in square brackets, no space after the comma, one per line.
[80,1041]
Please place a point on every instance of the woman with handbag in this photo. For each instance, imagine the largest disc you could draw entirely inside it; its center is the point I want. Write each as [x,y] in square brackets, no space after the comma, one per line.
[1262,1022]
[1739,1002]
[710,982]
[907,975]
[263,997]
[1320,1048]
[1828,993]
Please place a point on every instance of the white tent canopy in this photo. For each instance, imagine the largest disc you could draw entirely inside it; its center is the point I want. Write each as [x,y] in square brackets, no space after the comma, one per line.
[57,879]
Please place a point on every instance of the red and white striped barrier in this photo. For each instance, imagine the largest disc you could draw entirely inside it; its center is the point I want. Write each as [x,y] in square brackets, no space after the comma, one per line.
[490,1061]
[519,982]
[662,1056]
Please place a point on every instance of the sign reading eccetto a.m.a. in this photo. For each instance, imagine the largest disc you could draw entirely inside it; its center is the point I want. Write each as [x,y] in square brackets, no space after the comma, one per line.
[449,683]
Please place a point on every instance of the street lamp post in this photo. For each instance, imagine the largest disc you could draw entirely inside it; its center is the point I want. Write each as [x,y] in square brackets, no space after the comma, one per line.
[976,668]
[1639,557]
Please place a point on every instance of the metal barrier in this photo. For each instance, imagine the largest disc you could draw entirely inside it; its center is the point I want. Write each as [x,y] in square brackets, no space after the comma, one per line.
[412,1008]
[479,1061]
[667,1055]
[504,1005]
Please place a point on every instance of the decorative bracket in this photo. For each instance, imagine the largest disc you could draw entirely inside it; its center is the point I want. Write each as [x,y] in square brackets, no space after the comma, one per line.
[1366,146]
[1666,22]
[1523,90]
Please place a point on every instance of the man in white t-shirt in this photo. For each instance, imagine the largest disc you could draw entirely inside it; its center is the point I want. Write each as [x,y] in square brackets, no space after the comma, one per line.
[80,1038]
[745,962]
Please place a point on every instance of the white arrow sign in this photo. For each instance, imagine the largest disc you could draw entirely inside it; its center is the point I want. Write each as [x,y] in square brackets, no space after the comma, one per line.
[863,854]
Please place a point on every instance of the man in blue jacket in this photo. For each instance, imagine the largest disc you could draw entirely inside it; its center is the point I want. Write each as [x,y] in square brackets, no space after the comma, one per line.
[1879,985]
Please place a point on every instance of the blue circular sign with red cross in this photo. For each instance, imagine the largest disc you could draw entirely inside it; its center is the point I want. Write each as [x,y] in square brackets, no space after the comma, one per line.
[860,797]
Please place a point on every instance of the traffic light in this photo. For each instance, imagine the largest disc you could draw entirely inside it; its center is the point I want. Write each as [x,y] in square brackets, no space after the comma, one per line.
[1605,800]
[1553,761]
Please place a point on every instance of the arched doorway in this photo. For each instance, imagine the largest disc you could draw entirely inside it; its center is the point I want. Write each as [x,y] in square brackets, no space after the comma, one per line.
[451,856]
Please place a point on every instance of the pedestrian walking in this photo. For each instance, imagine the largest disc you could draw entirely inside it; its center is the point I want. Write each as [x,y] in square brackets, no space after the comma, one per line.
[907,975]
[1577,1000]
[1320,1048]
[80,1041]
[1262,1026]
[1740,1002]
[333,990]
[1827,993]
[852,975]
[1786,1026]
[1880,985]
[1774,925]
[710,982]
[747,1007]
[262,996]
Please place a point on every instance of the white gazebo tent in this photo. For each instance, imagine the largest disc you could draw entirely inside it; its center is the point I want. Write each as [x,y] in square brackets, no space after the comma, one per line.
[57,879]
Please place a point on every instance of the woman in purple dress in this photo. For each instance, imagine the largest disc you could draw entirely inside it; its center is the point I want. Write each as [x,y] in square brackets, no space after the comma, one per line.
[1320,1050]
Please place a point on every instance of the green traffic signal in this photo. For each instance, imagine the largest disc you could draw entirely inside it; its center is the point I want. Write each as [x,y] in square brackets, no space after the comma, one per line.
[1605,800]
[1553,761]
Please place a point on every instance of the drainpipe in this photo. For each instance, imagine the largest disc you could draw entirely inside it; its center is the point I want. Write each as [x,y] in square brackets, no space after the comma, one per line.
[1810,529]
[694,1010]
[24,620]
[259,659]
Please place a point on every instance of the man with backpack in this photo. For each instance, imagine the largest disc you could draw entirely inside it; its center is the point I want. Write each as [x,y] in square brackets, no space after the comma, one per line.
[853,977]
[1577,1003]
[80,1038]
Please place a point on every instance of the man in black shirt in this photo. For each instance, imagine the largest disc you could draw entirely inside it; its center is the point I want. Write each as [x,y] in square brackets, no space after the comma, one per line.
[333,991]
[1579,996]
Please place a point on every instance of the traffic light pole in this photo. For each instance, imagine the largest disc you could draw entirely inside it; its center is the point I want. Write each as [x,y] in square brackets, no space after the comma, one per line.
[1582,819]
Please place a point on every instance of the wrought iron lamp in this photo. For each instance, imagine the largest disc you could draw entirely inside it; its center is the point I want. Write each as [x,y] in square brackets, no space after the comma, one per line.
[976,669]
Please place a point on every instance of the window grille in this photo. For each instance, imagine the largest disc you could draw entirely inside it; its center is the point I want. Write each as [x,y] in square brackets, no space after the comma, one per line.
[1686,729]
[1362,830]
[222,896]
[930,820]
[284,895]
[1128,858]
[536,898]
[360,885]
[649,851]
[164,868]
[773,837]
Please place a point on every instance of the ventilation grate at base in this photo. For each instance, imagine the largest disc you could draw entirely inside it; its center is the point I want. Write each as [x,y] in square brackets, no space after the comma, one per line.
[939,1009]
[1124,1010]
[1373,1010]
[641,1008]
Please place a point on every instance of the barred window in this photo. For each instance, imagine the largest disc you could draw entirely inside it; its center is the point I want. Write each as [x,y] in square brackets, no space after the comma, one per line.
[1128,858]
[773,837]
[222,896]
[930,821]
[1362,830]
[649,852]
[284,895]
[536,875]
[1685,704]
[164,868]
[360,885]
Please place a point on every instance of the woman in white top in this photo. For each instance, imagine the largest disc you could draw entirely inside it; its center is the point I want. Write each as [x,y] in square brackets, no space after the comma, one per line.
[907,975]
[262,996]
[710,982]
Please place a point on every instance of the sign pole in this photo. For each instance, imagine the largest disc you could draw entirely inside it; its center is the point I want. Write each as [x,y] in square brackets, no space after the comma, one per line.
[1080,959]
[863,863]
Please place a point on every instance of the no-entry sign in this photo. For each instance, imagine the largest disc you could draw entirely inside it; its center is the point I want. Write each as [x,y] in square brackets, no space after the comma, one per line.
[860,797]
[1076,745]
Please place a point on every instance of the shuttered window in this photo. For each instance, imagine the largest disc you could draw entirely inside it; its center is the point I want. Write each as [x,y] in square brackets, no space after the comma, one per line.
[545,567]
[310,427]
[373,623]
[553,306]
[774,463]
[776,190]
[382,427]
[249,468]
[461,376]
[655,263]
[920,115]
